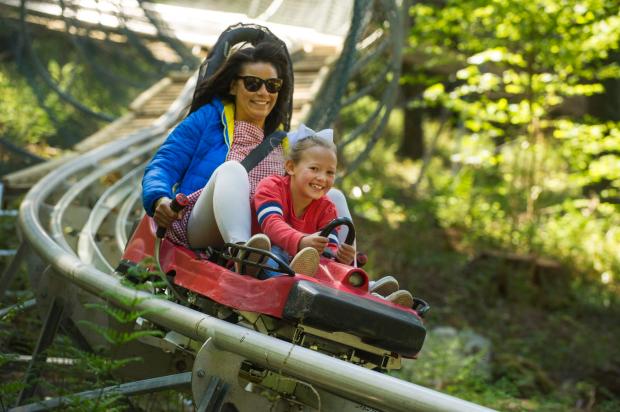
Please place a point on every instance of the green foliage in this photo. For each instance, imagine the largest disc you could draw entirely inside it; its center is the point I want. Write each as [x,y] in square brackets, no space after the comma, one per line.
[20,115]
[10,385]
[7,224]
[97,369]
[105,403]
[119,338]
[86,370]
[376,199]
[450,366]
[31,113]
[113,334]
[522,169]
[104,76]
[120,315]
[9,389]
[447,363]
[527,173]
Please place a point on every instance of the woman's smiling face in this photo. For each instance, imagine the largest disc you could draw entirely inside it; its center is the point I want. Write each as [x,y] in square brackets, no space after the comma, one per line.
[254,107]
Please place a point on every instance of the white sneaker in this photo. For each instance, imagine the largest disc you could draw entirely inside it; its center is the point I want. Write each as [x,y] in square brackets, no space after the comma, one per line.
[401,297]
[383,286]
[258,241]
[306,261]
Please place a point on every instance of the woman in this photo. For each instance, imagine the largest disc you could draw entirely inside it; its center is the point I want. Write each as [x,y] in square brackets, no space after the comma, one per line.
[245,100]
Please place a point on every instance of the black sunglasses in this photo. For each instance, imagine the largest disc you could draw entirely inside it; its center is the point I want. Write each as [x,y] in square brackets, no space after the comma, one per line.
[253,84]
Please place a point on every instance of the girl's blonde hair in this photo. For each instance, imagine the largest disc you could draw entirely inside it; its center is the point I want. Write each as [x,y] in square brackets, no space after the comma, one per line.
[296,151]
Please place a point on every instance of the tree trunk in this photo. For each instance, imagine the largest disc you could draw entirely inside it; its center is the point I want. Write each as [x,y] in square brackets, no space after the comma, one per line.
[412,143]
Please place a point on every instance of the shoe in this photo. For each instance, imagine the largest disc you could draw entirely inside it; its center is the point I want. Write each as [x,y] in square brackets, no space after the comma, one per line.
[258,241]
[378,295]
[401,297]
[306,261]
[383,286]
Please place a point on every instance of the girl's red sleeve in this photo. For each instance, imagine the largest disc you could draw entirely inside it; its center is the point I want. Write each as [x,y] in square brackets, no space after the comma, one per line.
[269,206]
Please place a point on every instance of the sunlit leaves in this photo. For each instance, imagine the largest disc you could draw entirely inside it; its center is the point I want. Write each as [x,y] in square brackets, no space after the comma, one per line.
[64,74]
[434,92]
[603,36]
[516,76]
[605,167]
[496,55]
[519,59]
[581,89]
[100,77]
[591,149]
[21,118]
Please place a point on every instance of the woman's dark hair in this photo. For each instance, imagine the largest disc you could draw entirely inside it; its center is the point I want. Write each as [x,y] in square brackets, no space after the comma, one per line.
[218,85]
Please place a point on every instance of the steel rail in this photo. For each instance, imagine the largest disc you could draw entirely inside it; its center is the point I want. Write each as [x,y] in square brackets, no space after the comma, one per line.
[87,248]
[69,196]
[120,230]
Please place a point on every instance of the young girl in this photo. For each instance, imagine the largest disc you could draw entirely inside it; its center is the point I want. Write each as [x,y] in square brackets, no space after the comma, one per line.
[291,209]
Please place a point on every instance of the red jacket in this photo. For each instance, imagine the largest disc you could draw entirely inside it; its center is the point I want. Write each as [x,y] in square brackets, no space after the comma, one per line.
[273,215]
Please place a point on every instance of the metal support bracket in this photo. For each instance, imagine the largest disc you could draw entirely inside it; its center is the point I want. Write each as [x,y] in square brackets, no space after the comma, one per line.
[178,381]
[48,332]
[11,269]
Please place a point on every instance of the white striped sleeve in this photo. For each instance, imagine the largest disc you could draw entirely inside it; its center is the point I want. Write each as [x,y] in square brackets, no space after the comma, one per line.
[267,209]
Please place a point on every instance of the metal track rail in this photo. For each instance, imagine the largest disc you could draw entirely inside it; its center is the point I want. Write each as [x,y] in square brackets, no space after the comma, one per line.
[88,249]
[122,219]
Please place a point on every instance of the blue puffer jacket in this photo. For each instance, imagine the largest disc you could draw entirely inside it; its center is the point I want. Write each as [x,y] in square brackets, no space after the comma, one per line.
[190,154]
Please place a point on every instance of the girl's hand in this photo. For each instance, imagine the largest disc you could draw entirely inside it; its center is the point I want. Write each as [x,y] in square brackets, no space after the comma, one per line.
[164,215]
[315,241]
[345,254]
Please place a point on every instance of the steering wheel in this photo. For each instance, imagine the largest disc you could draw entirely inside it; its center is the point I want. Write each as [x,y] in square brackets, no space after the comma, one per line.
[325,232]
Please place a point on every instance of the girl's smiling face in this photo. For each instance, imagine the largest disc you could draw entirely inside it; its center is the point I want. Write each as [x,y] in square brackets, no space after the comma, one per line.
[254,107]
[312,176]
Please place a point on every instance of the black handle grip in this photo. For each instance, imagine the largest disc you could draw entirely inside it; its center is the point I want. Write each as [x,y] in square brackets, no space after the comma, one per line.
[178,203]
[337,222]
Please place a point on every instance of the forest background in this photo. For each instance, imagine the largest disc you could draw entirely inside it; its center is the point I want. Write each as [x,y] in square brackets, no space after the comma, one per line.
[494,194]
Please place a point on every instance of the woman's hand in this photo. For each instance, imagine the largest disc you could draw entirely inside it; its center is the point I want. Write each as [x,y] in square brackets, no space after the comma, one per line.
[164,215]
[345,254]
[315,241]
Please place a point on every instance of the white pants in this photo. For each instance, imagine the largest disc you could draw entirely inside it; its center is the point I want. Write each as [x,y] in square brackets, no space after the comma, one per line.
[222,212]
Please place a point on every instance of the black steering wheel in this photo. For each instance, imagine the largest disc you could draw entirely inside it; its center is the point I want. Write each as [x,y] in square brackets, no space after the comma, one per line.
[334,224]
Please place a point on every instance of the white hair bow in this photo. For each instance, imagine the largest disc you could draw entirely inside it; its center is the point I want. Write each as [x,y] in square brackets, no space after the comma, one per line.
[304,131]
